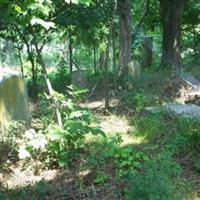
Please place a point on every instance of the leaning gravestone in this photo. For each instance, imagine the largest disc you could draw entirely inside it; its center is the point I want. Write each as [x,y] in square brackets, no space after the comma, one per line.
[78,79]
[13,100]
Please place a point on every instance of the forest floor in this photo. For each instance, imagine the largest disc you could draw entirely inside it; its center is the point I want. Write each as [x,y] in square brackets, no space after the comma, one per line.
[30,181]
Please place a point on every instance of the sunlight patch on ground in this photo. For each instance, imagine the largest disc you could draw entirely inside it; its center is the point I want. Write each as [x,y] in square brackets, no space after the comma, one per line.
[114,126]
[93,105]
[130,139]
[21,178]
[99,104]
[83,173]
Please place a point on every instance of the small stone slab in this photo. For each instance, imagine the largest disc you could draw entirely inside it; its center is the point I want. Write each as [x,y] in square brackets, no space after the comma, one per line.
[185,110]
[178,110]
[192,81]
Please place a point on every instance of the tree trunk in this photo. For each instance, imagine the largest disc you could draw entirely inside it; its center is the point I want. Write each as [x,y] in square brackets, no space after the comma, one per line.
[114,58]
[171,11]
[95,59]
[124,7]
[48,83]
[21,62]
[19,49]
[70,53]
[31,59]
[105,76]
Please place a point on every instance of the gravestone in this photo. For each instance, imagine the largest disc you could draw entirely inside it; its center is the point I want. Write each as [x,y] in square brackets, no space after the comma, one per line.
[13,100]
[178,110]
[183,110]
[134,71]
[78,79]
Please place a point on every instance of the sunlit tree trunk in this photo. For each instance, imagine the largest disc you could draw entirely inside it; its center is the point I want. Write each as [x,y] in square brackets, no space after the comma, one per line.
[47,80]
[124,7]
[171,11]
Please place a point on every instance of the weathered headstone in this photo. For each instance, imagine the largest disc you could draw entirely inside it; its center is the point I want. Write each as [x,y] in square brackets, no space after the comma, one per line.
[178,110]
[134,71]
[13,100]
[78,79]
[183,110]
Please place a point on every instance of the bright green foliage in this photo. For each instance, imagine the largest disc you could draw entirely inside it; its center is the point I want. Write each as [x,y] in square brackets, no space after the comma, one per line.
[88,22]
[56,145]
[147,174]
[153,182]
[138,101]
[101,178]
[127,160]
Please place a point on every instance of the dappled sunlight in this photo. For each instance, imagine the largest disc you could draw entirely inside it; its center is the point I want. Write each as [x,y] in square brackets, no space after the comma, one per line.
[93,104]
[132,140]
[114,124]
[21,178]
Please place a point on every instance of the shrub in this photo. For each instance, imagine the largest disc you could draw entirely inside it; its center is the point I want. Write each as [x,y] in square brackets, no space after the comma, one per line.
[54,144]
[154,182]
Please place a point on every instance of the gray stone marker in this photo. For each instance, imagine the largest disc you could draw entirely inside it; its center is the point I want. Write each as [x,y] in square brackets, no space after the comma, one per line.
[134,73]
[185,110]
[134,69]
[13,100]
[178,110]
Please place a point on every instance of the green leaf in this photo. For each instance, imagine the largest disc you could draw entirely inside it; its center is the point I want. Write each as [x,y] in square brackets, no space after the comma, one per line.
[63,159]
[55,135]
[17,8]
[74,126]
[97,131]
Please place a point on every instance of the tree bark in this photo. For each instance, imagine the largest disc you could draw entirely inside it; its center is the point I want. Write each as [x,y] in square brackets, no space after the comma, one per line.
[105,75]
[95,59]
[31,59]
[70,53]
[48,82]
[171,11]
[114,58]
[124,7]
